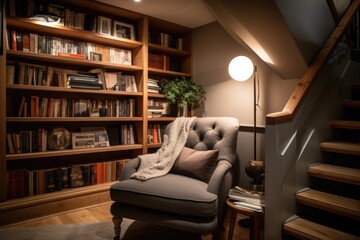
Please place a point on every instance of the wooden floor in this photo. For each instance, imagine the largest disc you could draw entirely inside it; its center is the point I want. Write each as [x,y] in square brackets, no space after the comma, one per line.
[101,213]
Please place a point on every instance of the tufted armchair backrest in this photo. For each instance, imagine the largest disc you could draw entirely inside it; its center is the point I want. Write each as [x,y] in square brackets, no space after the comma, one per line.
[210,133]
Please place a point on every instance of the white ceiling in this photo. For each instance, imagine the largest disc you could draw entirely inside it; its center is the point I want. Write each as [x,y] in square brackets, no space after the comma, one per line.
[189,13]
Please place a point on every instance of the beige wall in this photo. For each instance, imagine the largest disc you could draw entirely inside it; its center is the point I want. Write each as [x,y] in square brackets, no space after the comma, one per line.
[213,49]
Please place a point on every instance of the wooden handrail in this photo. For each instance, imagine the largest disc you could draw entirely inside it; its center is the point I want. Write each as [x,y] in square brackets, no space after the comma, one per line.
[289,111]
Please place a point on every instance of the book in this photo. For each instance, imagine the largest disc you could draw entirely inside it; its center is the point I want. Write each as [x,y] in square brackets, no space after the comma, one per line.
[49,180]
[76,176]
[101,136]
[72,55]
[16,183]
[83,140]
[10,74]
[10,143]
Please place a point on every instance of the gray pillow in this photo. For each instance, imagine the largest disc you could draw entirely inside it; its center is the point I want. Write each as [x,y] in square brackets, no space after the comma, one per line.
[196,164]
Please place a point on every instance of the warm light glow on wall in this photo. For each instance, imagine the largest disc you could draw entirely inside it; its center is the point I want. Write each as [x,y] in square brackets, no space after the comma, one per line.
[241,68]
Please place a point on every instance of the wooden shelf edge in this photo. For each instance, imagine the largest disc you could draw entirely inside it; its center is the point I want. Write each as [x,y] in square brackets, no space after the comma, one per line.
[70,90]
[54,196]
[156,95]
[13,157]
[72,61]
[73,119]
[154,145]
[160,119]
[168,73]
[168,50]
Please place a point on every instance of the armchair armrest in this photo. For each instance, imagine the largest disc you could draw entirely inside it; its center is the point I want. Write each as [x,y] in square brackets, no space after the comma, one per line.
[130,167]
[217,179]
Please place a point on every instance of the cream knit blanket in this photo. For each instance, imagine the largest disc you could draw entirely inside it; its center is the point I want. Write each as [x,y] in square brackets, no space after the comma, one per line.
[159,163]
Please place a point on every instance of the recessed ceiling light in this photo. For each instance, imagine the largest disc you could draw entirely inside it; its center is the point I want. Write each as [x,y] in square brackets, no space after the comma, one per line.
[137,0]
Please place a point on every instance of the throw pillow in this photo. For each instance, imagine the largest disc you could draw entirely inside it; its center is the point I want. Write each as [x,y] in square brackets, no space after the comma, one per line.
[196,164]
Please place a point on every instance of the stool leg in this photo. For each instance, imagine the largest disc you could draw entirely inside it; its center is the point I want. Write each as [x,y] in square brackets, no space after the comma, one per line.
[117,226]
[232,225]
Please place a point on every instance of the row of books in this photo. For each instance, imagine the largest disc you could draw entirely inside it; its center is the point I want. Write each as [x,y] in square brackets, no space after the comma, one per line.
[123,135]
[27,141]
[247,199]
[41,140]
[156,133]
[40,75]
[35,43]
[164,62]
[35,106]
[165,39]
[24,182]
[65,16]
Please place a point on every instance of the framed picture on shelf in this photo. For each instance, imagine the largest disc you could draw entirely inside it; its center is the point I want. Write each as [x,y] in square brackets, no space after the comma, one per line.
[95,56]
[104,25]
[123,30]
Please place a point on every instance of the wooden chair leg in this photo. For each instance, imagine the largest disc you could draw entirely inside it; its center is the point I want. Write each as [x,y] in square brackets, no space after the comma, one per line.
[117,226]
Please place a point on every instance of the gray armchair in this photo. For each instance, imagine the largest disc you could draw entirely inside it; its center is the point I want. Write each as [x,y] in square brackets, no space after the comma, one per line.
[181,199]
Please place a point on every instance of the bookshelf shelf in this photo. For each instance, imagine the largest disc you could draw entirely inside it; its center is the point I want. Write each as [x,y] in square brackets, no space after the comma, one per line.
[154,145]
[73,119]
[168,73]
[68,61]
[36,26]
[167,50]
[70,90]
[67,152]
[156,95]
[161,119]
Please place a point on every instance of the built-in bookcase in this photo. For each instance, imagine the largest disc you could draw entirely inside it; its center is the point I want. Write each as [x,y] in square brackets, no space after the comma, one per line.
[108,106]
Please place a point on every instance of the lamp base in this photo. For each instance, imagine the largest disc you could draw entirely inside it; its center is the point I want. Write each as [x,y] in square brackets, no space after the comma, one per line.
[257,188]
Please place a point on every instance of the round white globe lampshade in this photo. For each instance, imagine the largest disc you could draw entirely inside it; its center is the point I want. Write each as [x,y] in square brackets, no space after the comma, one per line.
[241,68]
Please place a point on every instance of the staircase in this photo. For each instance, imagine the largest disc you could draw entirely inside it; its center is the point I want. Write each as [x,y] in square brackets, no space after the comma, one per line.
[330,208]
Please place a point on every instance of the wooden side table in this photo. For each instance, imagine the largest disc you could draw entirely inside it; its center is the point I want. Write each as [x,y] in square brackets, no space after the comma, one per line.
[256,218]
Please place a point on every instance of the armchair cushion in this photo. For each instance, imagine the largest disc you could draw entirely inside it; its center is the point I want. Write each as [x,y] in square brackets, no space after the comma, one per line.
[170,193]
[196,164]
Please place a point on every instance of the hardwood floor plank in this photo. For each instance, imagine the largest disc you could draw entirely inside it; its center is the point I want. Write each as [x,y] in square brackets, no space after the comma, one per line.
[101,212]
[81,216]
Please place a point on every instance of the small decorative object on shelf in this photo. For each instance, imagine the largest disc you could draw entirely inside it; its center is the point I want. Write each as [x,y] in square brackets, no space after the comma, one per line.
[58,138]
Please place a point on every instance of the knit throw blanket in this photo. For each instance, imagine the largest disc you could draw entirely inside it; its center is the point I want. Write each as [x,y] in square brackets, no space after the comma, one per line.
[159,163]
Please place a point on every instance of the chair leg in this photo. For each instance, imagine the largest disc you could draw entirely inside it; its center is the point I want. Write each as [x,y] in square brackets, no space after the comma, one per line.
[117,226]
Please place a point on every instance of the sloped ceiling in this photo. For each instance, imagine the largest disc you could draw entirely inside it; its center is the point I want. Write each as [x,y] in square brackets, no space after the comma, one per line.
[285,34]
[260,26]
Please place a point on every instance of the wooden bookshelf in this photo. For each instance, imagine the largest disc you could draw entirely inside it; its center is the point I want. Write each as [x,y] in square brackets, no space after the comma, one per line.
[11,94]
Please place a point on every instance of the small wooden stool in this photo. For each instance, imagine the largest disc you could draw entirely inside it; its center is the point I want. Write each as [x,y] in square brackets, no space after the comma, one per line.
[255,217]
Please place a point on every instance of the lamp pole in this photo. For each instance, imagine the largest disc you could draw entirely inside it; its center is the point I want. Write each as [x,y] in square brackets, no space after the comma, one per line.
[255,72]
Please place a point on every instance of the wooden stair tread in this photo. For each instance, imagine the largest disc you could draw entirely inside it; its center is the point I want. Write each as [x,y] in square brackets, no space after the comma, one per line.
[341,147]
[336,173]
[330,202]
[351,103]
[305,229]
[345,124]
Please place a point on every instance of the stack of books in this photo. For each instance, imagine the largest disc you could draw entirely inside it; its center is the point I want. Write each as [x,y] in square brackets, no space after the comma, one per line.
[153,86]
[84,82]
[247,199]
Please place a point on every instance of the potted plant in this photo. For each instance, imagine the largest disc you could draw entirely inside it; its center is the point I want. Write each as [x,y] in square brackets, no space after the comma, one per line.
[182,92]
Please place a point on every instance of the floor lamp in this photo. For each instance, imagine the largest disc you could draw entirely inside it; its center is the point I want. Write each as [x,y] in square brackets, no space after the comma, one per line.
[241,68]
